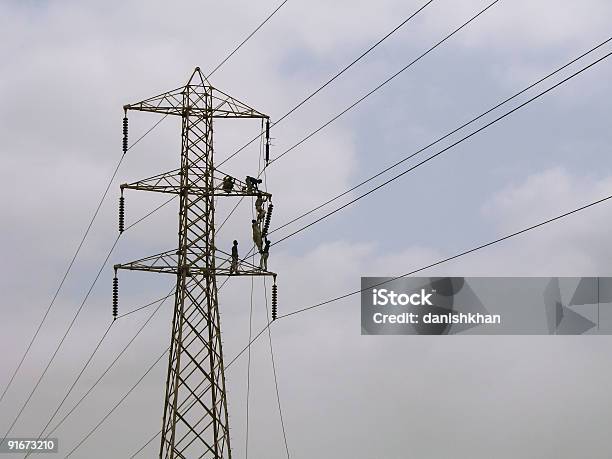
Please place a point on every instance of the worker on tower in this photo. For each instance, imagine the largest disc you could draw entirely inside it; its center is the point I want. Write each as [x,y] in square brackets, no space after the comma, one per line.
[234,265]
[252,184]
[261,212]
[256,234]
[263,262]
[228,184]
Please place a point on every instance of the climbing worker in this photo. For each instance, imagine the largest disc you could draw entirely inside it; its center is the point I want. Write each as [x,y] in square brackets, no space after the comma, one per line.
[261,212]
[252,184]
[228,184]
[256,234]
[234,265]
[263,262]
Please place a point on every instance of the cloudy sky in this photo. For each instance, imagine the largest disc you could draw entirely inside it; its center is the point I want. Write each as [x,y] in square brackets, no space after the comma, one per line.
[67,68]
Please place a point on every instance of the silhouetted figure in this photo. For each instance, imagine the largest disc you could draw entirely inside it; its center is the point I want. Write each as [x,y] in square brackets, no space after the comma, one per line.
[252,184]
[234,265]
[261,212]
[263,262]
[228,184]
[256,234]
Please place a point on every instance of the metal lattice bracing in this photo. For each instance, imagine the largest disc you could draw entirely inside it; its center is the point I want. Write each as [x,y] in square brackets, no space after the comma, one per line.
[195,420]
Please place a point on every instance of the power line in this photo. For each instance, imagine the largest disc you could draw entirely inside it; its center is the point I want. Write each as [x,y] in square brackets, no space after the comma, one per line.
[454,257]
[431,265]
[145,306]
[378,174]
[109,367]
[471,250]
[148,214]
[385,82]
[489,243]
[214,70]
[406,158]
[246,39]
[361,99]
[440,139]
[145,445]
[76,315]
[429,158]
[332,79]
[61,341]
[91,356]
[319,89]
[116,405]
[72,261]
[461,254]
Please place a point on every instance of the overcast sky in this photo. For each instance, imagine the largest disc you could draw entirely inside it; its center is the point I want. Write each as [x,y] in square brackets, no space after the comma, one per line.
[67,68]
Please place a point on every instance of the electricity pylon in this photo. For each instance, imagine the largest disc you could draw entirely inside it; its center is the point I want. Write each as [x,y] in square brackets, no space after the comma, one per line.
[195,420]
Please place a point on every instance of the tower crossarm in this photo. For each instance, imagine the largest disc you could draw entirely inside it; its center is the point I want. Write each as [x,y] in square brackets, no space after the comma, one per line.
[164,262]
[205,101]
[167,262]
[166,182]
[170,182]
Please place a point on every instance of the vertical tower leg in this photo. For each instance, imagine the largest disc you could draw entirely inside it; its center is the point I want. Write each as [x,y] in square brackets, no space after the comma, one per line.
[195,422]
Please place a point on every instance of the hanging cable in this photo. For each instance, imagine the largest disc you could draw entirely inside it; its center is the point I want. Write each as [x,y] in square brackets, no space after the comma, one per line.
[70,326]
[146,305]
[247,38]
[350,107]
[332,79]
[73,450]
[444,137]
[74,383]
[463,139]
[384,83]
[248,393]
[431,265]
[72,261]
[280,410]
[25,404]
[161,302]
[274,286]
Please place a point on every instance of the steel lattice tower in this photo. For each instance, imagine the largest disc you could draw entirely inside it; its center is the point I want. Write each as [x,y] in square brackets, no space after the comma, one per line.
[195,420]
